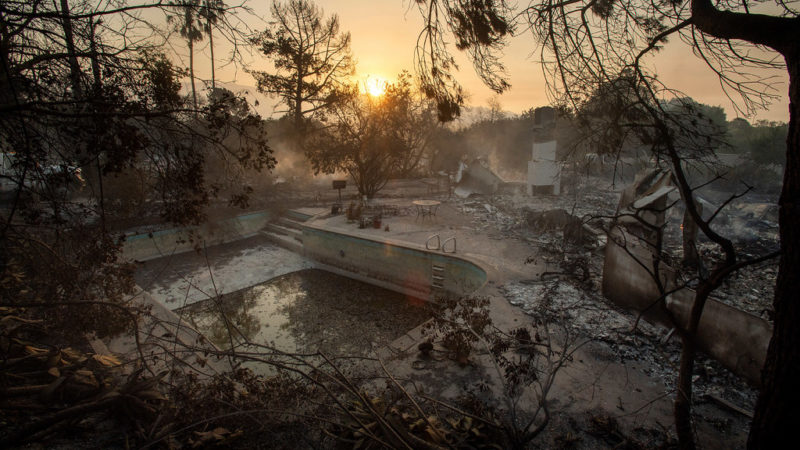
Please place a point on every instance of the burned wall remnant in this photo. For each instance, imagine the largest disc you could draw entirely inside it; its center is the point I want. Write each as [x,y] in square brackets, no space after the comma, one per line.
[634,262]
[735,338]
[629,268]
[544,170]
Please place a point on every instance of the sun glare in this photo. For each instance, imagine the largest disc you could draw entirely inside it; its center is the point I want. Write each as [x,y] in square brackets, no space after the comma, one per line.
[375,86]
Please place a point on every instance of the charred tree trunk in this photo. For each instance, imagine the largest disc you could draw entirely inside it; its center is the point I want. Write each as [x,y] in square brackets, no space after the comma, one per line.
[97,87]
[96,75]
[778,406]
[690,256]
[69,40]
[298,102]
[683,397]
[211,47]
[191,73]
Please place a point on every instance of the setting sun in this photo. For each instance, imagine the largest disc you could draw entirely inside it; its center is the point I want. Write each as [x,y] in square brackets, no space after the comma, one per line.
[375,86]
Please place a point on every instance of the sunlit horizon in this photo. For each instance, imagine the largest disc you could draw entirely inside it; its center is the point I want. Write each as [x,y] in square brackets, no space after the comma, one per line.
[384,39]
[374,86]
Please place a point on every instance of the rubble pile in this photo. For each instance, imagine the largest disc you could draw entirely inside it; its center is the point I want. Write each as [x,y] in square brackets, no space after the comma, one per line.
[561,300]
[547,223]
[509,213]
[585,314]
[492,214]
[750,289]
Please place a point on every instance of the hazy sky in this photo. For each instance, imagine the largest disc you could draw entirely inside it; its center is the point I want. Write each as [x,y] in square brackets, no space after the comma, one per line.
[384,34]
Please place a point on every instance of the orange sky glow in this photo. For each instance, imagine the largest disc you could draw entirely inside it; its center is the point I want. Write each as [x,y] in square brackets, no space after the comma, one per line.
[384,34]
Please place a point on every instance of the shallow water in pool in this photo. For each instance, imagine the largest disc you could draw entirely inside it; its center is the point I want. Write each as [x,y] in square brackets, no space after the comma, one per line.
[307,311]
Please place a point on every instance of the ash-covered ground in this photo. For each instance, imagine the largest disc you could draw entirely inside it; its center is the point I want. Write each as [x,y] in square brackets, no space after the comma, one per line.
[565,289]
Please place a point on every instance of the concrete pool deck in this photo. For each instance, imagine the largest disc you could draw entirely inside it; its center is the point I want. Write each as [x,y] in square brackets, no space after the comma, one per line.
[505,258]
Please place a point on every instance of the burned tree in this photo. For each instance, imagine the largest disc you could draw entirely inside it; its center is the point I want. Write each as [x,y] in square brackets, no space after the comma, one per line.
[311,58]
[412,123]
[357,141]
[373,138]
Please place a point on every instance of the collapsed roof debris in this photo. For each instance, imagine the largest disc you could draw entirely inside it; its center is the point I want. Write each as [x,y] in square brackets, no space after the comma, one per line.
[476,177]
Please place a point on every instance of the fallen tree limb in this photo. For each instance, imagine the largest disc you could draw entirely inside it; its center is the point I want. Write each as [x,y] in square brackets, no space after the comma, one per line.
[29,430]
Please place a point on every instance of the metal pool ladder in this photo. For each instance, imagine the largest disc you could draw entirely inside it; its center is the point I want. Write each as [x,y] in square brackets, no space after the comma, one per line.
[437,276]
[444,244]
[434,242]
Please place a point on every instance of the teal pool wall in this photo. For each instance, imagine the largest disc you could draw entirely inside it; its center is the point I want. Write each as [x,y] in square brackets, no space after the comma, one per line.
[298,215]
[392,265]
[144,246]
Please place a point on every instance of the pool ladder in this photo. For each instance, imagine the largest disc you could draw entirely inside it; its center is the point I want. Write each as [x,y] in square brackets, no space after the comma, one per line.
[437,276]
[434,242]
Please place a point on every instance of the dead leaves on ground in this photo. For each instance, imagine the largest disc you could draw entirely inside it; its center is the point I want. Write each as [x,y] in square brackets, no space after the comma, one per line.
[42,384]
[107,360]
[31,364]
[373,425]
[217,436]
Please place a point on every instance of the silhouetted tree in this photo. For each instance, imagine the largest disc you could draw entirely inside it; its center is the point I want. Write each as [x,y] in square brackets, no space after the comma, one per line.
[211,11]
[412,122]
[358,140]
[191,29]
[764,141]
[373,138]
[479,28]
[311,57]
